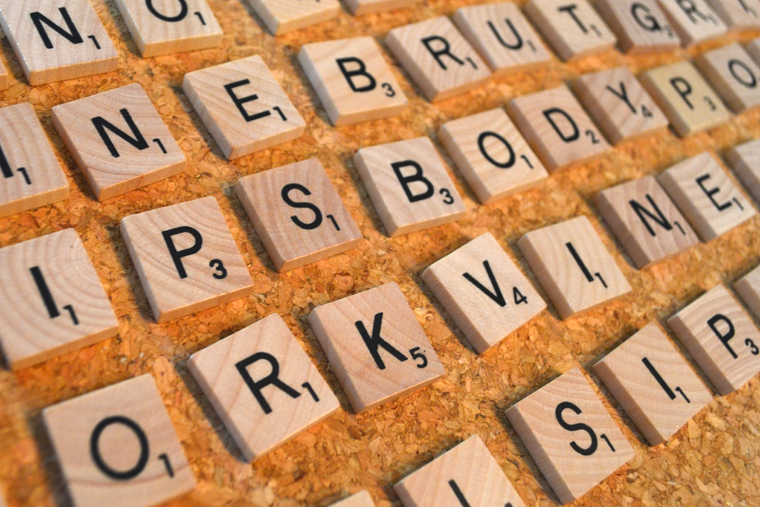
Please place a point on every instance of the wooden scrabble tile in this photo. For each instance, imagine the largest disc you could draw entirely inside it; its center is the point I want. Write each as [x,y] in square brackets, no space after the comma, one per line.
[437,57]
[360,499]
[484,291]
[60,40]
[748,289]
[359,7]
[703,191]
[262,384]
[693,20]
[502,36]
[573,29]
[645,221]
[753,48]
[573,266]
[570,435]
[297,213]
[352,80]
[51,300]
[640,25]
[745,161]
[653,382]
[492,155]
[186,258]
[468,475]
[409,186]
[243,106]
[733,74]
[738,14]
[281,16]
[118,140]
[31,174]
[375,346]
[117,447]
[685,98]
[619,104]
[721,337]
[557,127]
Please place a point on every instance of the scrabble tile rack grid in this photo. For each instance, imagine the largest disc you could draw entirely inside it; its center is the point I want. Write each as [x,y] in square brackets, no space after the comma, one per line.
[716,457]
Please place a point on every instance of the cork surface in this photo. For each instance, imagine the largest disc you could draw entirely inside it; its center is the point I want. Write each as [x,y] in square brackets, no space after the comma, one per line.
[714,459]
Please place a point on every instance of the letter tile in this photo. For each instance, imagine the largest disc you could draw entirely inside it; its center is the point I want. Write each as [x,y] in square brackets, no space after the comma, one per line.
[745,161]
[753,48]
[738,14]
[640,25]
[281,16]
[733,74]
[748,289]
[693,20]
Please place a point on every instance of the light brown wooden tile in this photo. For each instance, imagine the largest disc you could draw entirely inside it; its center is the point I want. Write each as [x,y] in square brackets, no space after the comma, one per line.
[118,140]
[186,258]
[570,435]
[262,384]
[753,48]
[654,384]
[51,300]
[437,57]
[645,221]
[685,98]
[409,186]
[693,20]
[117,447]
[360,7]
[492,155]
[721,337]
[640,25]
[352,80]
[243,106]
[748,288]
[738,14]
[281,16]
[745,161]
[297,213]
[483,291]
[78,46]
[466,475]
[360,499]
[30,174]
[708,198]
[162,27]
[733,74]
[557,128]
[375,346]
[573,266]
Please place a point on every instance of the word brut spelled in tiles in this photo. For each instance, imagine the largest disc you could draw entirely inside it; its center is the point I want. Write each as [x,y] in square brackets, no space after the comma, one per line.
[748,288]
[733,74]
[117,447]
[359,7]
[738,14]
[375,346]
[745,161]
[693,20]
[281,16]
[186,258]
[55,41]
[262,384]
[640,25]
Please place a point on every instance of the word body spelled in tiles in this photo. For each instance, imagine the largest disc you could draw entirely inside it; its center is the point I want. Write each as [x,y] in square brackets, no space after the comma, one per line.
[352,80]
[693,20]
[117,447]
[484,291]
[734,75]
[375,346]
[467,475]
[748,289]
[263,386]
[703,191]
[58,40]
[243,106]
[745,161]
[438,57]
[360,499]
[186,258]
[654,383]
[161,27]
[118,140]
[738,14]
[570,435]
[281,16]
[574,267]
[640,25]
[297,213]
[720,335]
[51,300]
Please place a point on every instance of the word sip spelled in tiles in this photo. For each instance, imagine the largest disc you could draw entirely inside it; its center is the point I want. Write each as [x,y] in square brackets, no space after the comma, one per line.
[376,346]
[360,499]
[263,386]
[745,162]
[734,75]
[738,14]
[693,20]
[640,25]
[281,16]
[748,289]
[117,447]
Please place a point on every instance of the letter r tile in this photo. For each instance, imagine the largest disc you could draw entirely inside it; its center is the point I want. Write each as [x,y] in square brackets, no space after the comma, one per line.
[375,346]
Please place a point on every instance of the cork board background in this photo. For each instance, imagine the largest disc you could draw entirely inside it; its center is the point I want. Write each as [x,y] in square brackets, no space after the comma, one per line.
[714,460]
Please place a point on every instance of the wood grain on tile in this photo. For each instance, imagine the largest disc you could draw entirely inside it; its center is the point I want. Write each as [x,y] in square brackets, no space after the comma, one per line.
[282,16]
[640,25]
[693,20]
[744,159]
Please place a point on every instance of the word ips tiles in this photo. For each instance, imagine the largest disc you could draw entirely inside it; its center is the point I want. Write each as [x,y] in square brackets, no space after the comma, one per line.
[693,20]
[281,16]
[639,24]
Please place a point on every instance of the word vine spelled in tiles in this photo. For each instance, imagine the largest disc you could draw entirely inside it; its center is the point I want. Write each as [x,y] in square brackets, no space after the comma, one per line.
[360,499]
[438,58]
[243,106]
[573,266]
[733,74]
[59,40]
[653,382]
[281,16]
[570,435]
[118,140]
[693,20]
[720,335]
[262,384]
[467,475]
[640,25]
[745,162]
[51,300]
[186,258]
[297,213]
[738,14]
[117,447]
[748,288]
[376,346]
[352,80]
